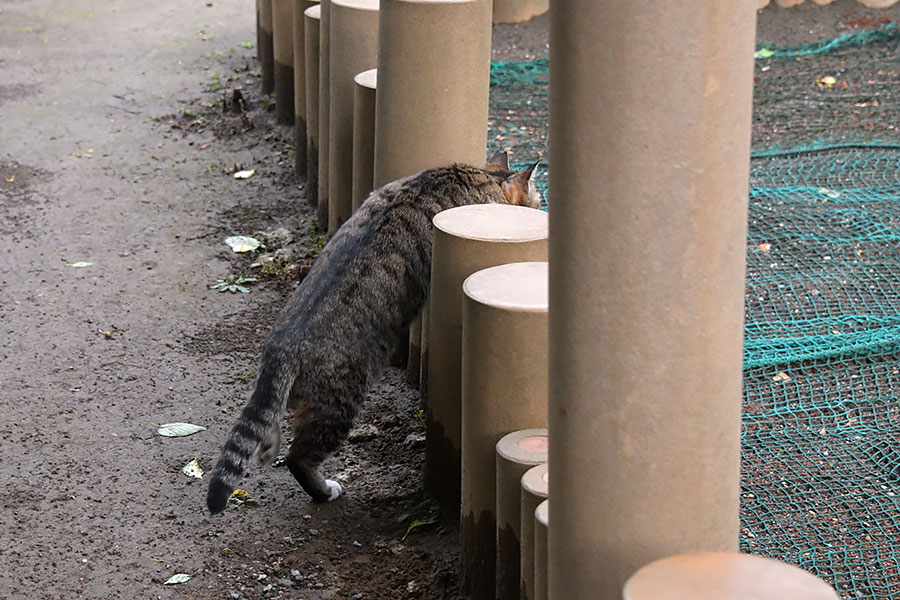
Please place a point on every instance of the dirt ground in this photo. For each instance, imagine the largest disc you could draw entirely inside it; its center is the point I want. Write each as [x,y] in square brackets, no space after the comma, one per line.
[115,151]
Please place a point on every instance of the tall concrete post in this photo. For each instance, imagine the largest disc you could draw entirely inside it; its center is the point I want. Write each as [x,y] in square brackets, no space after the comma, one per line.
[324,109]
[311,21]
[300,160]
[504,389]
[363,135]
[283,49]
[650,107]
[264,45]
[354,48]
[433,79]
[466,239]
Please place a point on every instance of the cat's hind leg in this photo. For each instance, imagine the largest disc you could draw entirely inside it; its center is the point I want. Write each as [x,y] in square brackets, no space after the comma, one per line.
[316,436]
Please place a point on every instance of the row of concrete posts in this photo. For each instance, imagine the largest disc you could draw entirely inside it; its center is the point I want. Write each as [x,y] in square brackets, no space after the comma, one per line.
[630,387]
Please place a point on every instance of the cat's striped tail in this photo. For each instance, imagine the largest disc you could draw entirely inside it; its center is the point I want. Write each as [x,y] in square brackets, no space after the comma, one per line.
[257,432]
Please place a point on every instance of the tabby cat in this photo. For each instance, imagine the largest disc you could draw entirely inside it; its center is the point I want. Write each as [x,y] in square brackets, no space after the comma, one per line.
[341,325]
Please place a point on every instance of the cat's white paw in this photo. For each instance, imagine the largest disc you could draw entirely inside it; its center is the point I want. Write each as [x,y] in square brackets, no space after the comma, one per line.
[335,489]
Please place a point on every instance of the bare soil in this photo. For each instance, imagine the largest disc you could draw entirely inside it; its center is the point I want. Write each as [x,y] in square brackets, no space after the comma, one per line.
[115,150]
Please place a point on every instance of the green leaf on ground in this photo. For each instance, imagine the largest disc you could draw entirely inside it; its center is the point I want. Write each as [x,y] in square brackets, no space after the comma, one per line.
[233,284]
[177,578]
[419,523]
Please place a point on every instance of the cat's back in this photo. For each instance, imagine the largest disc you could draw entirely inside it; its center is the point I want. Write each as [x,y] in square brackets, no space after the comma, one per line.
[372,276]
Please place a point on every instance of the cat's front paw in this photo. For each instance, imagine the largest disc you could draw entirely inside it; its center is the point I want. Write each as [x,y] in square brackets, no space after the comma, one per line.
[334,488]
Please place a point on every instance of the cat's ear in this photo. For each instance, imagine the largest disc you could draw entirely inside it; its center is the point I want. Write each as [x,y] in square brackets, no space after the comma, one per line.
[519,189]
[499,159]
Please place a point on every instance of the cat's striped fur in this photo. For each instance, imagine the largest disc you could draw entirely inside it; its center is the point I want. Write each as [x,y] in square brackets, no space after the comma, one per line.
[341,325]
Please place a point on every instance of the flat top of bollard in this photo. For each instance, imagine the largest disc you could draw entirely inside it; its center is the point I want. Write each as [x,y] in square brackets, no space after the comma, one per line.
[526,446]
[542,512]
[494,222]
[534,443]
[367,79]
[516,286]
[313,12]
[357,4]
[536,480]
[723,576]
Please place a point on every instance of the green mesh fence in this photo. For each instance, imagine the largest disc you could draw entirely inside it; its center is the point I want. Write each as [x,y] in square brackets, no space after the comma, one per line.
[821,422]
[519,114]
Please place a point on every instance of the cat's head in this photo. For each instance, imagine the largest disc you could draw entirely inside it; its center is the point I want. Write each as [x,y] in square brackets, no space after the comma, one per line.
[517,188]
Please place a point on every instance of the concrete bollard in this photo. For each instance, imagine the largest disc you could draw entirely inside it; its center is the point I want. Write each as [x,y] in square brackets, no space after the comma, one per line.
[718,575]
[363,135]
[264,45]
[299,46]
[354,48]
[518,11]
[535,489]
[646,329]
[504,388]
[324,109]
[541,527]
[516,453]
[433,80]
[283,49]
[311,21]
[466,239]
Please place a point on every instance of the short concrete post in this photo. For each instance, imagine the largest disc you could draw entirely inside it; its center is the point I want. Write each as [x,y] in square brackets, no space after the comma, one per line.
[300,160]
[647,282]
[363,135]
[324,109]
[516,453]
[541,526]
[433,79]
[518,11]
[283,49]
[264,45]
[535,489]
[354,48]
[466,239]
[718,575]
[311,22]
[504,388]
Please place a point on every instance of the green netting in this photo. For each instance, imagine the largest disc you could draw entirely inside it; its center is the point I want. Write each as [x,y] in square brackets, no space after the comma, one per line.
[519,114]
[820,447]
[848,40]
